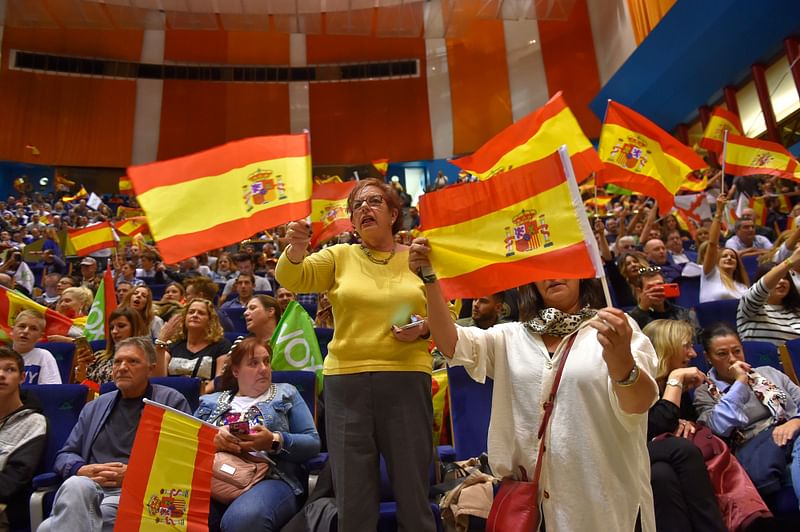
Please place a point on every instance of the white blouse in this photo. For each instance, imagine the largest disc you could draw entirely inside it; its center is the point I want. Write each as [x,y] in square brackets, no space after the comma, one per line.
[596,471]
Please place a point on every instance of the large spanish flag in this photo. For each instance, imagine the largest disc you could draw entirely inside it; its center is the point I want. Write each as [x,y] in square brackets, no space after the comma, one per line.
[224,195]
[12,303]
[168,483]
[524,225]
[92,238]
[746,156]
[534,137]
[641,156]
[329,215]
[721,120]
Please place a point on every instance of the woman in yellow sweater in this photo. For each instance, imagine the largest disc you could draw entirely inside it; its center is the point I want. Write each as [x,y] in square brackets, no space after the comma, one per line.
[377,374]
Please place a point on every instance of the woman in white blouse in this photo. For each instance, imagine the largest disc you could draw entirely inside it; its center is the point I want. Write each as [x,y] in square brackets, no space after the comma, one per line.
[596,470]
[724,276]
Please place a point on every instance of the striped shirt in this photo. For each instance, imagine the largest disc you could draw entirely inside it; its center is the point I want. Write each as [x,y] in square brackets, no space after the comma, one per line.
[759,321]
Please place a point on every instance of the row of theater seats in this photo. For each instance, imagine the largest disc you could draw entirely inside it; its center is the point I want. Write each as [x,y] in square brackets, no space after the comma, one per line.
[63,403]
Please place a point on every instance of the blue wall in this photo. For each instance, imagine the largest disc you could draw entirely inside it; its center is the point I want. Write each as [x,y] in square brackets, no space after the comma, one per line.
[431,167]
[10,171]
[698,48]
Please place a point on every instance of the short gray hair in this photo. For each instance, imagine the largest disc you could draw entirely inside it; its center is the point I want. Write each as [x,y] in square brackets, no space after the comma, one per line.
[142,343]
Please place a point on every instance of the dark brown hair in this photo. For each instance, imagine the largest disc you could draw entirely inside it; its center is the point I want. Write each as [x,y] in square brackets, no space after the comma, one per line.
[241,350]
[269,302]
[7,352]
[531,302]
[389,194]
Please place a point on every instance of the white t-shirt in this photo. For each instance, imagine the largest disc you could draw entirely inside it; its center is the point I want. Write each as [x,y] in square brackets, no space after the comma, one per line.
[713,289]
[40,367]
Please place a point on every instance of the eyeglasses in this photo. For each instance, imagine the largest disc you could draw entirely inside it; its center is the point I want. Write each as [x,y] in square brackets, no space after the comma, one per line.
[649,270]
[373,201]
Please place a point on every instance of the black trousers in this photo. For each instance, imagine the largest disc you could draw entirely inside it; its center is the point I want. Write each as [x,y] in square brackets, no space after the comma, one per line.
[389,414]
[682,492]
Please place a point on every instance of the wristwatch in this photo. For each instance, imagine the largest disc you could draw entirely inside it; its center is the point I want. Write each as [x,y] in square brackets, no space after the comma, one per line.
[276,442]
[427,274]
[631,379]
[675,382]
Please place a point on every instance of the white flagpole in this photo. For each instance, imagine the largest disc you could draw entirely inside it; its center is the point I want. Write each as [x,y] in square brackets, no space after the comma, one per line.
[724,151]
[583,221]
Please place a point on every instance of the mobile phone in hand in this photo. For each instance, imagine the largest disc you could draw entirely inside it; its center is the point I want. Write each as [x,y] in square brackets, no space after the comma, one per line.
[239,428]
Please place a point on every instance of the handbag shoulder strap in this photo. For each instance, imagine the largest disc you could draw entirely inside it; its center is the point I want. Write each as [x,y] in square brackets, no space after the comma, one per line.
[548,407]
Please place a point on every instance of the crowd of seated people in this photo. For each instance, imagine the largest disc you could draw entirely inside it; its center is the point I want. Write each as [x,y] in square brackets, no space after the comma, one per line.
[186,308]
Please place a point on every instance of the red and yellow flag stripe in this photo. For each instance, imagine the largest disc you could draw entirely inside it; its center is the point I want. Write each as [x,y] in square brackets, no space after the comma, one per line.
[329,215]
[12,303]
[746,156]
[92,238]
[639,155]
[168,483]
[721,120]
[532,138]
[518,227]
[224,195]
[131,226]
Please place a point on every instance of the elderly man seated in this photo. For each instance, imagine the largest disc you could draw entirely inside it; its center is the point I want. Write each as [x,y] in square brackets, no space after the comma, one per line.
[746,241]
[95,456]
[656,253]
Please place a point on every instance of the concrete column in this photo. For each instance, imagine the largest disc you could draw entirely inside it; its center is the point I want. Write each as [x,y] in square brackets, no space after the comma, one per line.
[149,94]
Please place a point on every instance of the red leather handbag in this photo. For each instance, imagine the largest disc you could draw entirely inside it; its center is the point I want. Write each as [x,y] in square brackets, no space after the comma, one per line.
[516,506]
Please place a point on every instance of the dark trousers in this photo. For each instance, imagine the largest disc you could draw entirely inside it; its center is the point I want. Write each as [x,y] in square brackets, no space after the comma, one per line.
[682,492]
[389,414]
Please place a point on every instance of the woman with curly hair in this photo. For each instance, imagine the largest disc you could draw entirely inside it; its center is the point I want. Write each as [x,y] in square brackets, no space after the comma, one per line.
[193,344]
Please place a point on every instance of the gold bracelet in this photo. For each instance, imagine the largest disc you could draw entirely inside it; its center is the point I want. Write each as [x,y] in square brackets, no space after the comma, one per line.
[788,263]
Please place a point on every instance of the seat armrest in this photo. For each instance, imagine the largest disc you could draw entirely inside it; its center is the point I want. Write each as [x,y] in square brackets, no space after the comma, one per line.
[46,480]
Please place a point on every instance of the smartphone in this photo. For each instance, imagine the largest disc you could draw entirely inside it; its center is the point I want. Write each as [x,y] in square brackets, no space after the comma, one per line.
[81,343]
[414,323]
[239,428]
[672,290]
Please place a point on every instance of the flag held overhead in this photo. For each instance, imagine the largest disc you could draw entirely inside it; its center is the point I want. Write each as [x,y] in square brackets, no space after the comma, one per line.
[225,194]
[520,226]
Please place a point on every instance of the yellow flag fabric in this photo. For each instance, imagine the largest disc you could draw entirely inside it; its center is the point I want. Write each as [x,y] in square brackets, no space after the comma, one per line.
[168,483]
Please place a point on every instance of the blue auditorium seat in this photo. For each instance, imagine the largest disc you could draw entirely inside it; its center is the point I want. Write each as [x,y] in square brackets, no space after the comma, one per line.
[63,352]
[62,404]
[324,337]
[237,317]
[188,386]
[750,265]
[716,311]
[470,409]
[305,382]
[690,292]
[755,353]
[158,291]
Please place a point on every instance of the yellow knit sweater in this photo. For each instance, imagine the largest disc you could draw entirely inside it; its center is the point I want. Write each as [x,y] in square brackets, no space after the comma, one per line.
[367,299]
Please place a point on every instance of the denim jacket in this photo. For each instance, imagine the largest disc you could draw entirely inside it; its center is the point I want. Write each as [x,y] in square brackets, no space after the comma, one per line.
[286,413]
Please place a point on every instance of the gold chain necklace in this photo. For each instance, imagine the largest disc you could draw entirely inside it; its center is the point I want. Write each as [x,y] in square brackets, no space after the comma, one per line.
[382,262]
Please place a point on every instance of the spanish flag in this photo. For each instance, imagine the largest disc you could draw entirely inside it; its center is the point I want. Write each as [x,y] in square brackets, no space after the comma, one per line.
[694,183]
[599,202]
[80,195]
[746,156]
[168,483]
[131,226]
[759,206]
[224,195]
[535,137]
[381,165]
[125,185]
[92,238]
[639,155]
[12,303]
[524,225]
[721,120]
[329,215]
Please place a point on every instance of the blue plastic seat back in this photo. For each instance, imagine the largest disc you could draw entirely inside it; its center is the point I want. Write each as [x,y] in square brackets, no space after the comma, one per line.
[755,353]
[237,317]
[305,382]
[470,409]
[62,404]
[189,387]
[716,311]
[63,352]
[324,337]
[690,292]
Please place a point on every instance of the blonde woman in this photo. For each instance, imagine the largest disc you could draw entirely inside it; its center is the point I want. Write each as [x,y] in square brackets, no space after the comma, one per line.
[682,492]
[192,344]
[724,276]
[75,302]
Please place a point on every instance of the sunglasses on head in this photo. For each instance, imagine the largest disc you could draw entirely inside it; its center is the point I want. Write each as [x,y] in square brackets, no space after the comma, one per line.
[649,270]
